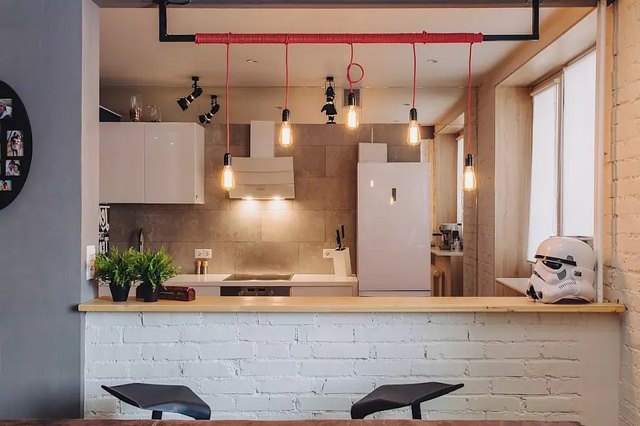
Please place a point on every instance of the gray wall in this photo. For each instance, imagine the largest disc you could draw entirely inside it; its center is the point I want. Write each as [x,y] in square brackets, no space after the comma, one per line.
[41,239]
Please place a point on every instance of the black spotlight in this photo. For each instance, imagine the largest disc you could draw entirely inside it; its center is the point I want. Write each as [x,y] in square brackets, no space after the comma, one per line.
[197,91]
[329,107]
[206,118]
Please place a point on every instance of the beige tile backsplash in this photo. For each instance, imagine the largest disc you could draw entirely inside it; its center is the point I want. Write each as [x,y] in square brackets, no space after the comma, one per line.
[266,236]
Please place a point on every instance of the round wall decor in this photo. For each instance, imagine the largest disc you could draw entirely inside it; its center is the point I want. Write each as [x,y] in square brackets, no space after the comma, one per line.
[15,145]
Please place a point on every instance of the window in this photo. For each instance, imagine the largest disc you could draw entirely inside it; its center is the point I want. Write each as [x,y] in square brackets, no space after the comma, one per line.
[562,157]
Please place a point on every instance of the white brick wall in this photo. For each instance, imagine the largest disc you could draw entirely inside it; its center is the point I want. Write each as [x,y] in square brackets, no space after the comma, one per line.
[282,366]
[622,194]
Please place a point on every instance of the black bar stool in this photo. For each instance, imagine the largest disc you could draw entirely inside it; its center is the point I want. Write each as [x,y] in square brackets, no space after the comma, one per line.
[388,397]
[159,398]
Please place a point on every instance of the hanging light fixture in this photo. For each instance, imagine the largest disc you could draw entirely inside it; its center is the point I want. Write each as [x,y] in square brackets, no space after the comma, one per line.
[197,91]
[286,135]
[469,176]
[353,121]
[228,180]
[414,127]
[329,108]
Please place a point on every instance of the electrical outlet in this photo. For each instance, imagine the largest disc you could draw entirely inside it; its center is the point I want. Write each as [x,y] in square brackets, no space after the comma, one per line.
[203,254]
[327,253]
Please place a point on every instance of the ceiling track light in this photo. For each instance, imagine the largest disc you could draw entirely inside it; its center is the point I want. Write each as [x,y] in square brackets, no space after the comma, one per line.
[215,107]
[197,91]
[329,107]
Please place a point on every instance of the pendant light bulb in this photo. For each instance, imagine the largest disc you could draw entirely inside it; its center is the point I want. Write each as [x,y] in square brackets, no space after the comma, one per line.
[353,120]
[469,175]
[286,135]
[228,180]
[414,128]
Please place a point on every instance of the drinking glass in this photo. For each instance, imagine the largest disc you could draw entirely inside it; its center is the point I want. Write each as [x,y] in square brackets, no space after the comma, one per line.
[135,108]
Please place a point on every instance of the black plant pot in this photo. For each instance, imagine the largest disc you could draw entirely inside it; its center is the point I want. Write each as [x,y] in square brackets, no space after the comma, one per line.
[149,294]
[119,293]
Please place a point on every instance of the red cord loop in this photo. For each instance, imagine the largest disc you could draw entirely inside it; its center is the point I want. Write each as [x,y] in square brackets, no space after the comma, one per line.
[349,67]
[357,65]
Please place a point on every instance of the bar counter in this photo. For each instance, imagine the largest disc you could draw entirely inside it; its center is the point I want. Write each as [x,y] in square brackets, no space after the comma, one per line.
[347,304]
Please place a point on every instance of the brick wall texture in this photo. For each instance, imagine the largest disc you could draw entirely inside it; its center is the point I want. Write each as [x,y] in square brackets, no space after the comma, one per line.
[622,186]
[287,366]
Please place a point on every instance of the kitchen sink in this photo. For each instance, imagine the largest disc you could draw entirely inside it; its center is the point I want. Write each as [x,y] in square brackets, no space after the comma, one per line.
[259,277]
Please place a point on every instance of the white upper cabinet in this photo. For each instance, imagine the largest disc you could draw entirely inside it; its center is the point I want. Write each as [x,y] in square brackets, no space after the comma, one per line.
[169,158]
[174,163]
[121,163]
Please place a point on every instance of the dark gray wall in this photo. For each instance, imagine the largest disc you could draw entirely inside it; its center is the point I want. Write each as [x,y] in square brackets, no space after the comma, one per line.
[41,241]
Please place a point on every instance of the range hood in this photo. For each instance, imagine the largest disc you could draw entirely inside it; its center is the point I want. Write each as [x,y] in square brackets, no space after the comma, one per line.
[261,176]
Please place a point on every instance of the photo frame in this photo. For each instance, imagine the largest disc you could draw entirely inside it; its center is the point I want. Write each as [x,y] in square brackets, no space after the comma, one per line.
[16,145]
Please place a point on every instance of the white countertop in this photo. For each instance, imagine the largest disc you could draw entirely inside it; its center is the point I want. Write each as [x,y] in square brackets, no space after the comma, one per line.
[518,284]
[300,279]
[448,253]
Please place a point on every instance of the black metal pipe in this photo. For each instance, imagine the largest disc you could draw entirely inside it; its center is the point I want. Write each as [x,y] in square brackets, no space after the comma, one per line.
[535,28]
[162,30]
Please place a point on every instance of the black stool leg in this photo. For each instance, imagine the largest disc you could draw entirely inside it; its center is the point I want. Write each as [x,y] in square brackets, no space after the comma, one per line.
[156,415]
[416,413]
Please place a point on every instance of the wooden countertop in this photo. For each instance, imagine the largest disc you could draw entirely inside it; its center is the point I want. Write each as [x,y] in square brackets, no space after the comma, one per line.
[326,280]
[446,253]
[344,304]
[518,284]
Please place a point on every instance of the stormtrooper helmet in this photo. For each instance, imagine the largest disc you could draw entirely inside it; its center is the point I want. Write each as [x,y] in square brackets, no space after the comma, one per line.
[564,270]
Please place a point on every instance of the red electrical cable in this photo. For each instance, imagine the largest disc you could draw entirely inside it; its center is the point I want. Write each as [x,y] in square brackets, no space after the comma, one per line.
[338,38]
[415,67]
[352,64]
[469,103]
[227,99]
[286,74]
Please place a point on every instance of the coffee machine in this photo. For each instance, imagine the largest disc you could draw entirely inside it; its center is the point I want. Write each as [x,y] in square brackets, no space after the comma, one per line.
[451,236]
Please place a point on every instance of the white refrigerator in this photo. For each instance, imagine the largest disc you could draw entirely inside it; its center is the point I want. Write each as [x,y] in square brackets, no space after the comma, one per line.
[394,229]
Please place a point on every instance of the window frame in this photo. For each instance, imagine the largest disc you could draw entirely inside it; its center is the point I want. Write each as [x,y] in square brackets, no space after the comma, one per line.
[558,79]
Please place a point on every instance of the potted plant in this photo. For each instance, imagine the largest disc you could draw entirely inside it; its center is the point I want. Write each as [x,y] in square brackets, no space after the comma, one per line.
[118,270]
[154,268]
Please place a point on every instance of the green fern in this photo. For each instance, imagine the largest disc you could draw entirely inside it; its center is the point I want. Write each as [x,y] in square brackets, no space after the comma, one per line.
[155,267]
[117,268]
